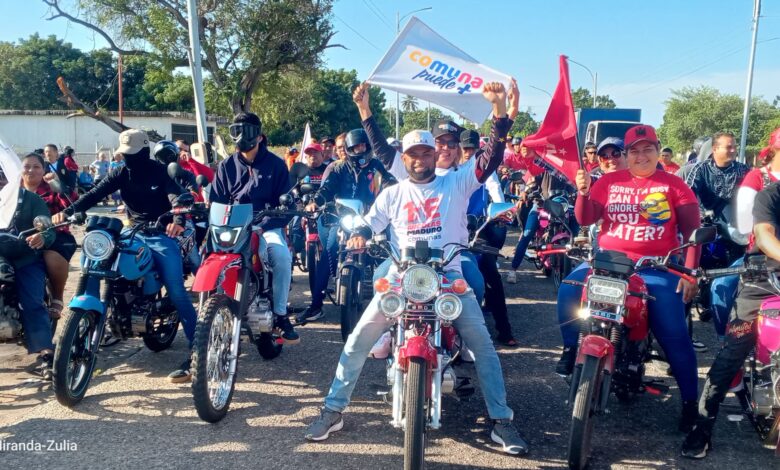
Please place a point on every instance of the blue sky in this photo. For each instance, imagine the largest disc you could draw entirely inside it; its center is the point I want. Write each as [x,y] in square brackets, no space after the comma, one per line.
[640,50]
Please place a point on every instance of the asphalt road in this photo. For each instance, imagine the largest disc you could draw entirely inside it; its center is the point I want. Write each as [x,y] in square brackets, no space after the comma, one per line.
[132,418]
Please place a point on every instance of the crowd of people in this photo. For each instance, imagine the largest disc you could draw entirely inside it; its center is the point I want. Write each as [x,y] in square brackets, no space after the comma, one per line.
[451,170]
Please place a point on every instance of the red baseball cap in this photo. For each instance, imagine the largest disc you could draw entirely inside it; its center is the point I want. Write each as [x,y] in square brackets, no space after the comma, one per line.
[640,133]
[313,147]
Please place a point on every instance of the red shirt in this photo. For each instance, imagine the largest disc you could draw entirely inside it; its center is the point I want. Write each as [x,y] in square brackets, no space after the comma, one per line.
[639,214]
[591,166]
[197,168]
[755,179]
[516,161]
[54,201]
[671,167]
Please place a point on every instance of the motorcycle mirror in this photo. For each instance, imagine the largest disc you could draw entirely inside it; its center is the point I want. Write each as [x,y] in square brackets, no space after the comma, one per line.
[285,200]
[703,235]
[202,181]
[307,188]
[516,176]
[202,153]
[55,186]
[299,171]
[42,222]
[354,205]
[504,210]
[184,200]
[554,208]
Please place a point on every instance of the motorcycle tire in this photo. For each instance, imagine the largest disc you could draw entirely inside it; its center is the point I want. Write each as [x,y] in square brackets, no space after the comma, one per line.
[588,391]
[414,433]
[312,259]
[561,267]
[268,347]
[206,407]
[162,340]
[77,346]
[351,303]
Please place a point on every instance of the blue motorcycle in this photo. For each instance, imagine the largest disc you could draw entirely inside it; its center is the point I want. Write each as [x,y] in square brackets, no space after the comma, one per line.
[119,289]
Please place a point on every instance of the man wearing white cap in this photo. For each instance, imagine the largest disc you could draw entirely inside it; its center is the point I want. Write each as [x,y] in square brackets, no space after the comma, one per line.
[427,200]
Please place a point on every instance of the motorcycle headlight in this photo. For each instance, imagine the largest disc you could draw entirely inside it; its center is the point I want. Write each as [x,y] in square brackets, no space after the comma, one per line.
[97,245]
[607,291]
[391,305]
[226,236]
[420,283]
[448,307]
[348,222]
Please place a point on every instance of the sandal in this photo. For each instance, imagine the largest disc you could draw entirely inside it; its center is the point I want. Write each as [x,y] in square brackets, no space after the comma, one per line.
[509,343]
[55,309]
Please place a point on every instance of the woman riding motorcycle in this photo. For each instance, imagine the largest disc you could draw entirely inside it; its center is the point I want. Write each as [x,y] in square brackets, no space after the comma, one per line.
[643,210]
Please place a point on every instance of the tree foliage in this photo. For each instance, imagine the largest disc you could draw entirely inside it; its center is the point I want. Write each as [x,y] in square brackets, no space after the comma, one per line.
[696,112]
[582,98]
[419,119]
[524,125]
[242,41]
[409,104]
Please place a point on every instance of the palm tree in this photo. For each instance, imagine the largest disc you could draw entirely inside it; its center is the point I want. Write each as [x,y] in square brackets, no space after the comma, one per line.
[409,104]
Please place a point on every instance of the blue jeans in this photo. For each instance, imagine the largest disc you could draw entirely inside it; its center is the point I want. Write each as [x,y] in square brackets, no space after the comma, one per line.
[470,325]
[327,266]
[667,322]
[276,254]
[468,265]
[723,293]
[531,226]
[31,288]
[168,263]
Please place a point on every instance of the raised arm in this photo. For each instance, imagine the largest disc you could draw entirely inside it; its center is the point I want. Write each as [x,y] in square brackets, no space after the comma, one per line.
[382,150]
[488,161]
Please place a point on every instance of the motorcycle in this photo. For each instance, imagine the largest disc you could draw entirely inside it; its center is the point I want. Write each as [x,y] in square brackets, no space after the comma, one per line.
[615,341]
[131,302]
[555,218]
[423,304]
[235,296]
[308,253]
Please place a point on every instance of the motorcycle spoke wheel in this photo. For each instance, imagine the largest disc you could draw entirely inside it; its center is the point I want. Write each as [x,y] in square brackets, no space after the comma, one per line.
[74,358]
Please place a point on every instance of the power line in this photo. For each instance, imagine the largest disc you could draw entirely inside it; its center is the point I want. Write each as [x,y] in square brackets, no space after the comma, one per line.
[377,13]
[359,35]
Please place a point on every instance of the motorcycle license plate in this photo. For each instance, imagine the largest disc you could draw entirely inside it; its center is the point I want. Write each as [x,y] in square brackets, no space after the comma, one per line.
[609,316]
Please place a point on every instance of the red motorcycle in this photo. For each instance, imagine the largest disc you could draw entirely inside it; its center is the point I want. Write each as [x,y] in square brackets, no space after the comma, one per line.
[423,303]
[615,341]
[236,296]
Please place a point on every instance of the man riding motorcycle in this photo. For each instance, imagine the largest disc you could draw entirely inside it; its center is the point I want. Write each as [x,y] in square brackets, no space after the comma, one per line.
[254,175]
[360,177]
[425,199]
[148,192]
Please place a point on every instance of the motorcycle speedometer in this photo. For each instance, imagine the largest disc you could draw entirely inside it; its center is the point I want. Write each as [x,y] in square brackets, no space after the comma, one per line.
[97,245]
[420,283]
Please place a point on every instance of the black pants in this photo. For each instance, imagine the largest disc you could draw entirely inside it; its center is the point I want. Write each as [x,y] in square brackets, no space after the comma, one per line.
[740,340]
[495,298]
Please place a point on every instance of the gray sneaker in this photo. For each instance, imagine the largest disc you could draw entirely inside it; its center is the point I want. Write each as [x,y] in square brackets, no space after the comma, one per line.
[504,433]
[328,422]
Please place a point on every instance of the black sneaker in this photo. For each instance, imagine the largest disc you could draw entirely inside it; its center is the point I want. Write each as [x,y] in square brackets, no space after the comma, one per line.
[690,412]
[182,374]
[697,443]
[566,362]
[310,314]
[288,332]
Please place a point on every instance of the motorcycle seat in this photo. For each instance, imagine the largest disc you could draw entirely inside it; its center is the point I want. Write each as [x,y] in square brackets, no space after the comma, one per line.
[613,261]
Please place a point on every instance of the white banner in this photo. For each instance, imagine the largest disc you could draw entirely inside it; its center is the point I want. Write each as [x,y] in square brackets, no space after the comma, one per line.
[9,195]
[305,143]
[422,64]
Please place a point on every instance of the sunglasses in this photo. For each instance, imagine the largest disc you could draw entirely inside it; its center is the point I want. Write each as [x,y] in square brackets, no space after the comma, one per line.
[450,144]
[613,154]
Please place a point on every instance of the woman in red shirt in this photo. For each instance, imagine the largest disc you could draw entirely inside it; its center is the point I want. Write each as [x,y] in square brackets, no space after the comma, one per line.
[57,256]
[642,210]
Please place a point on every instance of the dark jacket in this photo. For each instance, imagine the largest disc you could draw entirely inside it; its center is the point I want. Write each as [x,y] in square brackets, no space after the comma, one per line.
[67,171]
[259,183]
[147,192]
[29,206]
[343,180]
[714,186]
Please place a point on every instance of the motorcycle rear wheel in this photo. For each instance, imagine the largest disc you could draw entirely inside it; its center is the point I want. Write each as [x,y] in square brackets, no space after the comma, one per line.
[312,259]
[212,384]
[588,391]
[75,357]
[352,303]
[163,338]
[561,267]
[414,432]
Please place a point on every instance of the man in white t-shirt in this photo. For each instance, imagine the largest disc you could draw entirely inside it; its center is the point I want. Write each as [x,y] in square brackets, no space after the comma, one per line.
[433,208]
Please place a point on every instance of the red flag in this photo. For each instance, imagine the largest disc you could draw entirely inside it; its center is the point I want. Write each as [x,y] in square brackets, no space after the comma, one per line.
[556,140]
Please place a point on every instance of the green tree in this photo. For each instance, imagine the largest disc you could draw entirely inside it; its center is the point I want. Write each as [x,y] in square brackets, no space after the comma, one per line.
[583,99]
[242,41]
[695,112]
[409,104]
[419,119]
[524,125]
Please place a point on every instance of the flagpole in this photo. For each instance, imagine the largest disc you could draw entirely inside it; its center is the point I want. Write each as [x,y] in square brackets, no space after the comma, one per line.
[749,86]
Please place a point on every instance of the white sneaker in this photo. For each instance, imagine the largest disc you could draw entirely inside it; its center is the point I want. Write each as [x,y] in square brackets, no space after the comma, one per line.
[381,348]
[511,277]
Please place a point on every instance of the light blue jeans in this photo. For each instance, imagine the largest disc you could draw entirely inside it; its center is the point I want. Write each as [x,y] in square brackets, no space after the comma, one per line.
[470,325]
[274,251]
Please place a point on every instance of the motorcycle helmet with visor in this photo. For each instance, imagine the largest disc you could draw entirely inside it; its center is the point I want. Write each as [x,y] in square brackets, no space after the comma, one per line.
[357,154]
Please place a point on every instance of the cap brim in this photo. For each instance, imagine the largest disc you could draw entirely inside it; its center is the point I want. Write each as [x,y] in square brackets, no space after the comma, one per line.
[127,149]
[654,142]
[419,145]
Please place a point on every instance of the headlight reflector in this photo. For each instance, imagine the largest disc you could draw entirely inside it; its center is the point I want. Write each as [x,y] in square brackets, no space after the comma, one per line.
[420,283]
[448,307]
[97,245]
[391,305]
[607,291]
[226,236]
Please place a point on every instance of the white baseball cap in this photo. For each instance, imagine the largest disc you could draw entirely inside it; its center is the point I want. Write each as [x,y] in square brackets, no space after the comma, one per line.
[132,141]
[418,137]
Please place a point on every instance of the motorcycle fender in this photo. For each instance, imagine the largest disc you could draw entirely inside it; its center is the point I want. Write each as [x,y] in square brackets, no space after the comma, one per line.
[600,347]
[417,346]
[86,302]
[212,270]
[448,336]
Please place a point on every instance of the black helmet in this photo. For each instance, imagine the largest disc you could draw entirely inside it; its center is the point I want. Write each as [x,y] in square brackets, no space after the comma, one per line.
[166,152]
[354,138]
[517,140]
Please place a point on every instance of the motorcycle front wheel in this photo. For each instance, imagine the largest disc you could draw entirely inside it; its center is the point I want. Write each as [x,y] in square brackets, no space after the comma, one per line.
[312,259]
[588,391]
[214,359]
[75,356]
[351,302]
[414,432]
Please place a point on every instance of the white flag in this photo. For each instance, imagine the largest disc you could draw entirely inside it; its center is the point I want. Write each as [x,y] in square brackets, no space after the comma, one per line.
[305,143]
[9,195]
[422,64]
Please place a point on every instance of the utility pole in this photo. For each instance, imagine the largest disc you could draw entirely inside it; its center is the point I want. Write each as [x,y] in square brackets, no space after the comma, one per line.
[121,100]
[749,86]
[197,79]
